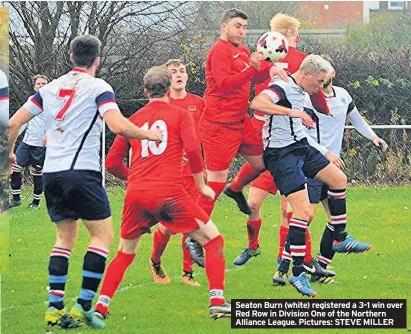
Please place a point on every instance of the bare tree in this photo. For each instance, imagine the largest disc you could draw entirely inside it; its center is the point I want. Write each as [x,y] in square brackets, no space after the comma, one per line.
[132,36]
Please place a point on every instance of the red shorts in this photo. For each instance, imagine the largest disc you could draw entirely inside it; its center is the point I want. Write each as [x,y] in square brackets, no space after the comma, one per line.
[176,210]
[222,141]
[190,186]
[265,181]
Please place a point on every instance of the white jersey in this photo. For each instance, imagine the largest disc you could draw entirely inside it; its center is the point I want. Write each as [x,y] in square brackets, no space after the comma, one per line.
[4,99]
[73,106]
[35,130]
[280,131]
[329,131]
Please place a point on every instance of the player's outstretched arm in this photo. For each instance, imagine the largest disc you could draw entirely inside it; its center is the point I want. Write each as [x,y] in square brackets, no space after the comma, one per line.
[265,103]
[364,129]
[21,117]
[115,158]
[120,125]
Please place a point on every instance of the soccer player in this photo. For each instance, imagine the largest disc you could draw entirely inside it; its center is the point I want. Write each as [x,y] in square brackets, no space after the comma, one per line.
[31,152]
[264,183]
[4,99]
[155,191]
[291,159]
[329,132]
[74,106]
[194,104]
[225,128]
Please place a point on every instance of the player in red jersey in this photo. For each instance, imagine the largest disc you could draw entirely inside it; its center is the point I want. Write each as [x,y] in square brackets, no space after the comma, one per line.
[155,191]
[225,127]
[264,184]
[194,104]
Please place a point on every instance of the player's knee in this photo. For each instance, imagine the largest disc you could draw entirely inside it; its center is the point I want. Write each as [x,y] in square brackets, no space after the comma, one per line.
[254,206]
[164,230]
[304,213]
[340,181]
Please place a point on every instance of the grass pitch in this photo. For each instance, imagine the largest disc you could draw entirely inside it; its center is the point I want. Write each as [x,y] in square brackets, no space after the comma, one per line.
[381,215]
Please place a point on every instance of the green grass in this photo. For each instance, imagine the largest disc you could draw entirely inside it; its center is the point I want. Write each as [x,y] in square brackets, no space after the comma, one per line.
[380,215]
[4,243]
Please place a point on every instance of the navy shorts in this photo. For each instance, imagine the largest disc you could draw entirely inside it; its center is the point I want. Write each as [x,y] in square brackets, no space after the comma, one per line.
[317,191]
[292,165]
[75,194]
[30,155]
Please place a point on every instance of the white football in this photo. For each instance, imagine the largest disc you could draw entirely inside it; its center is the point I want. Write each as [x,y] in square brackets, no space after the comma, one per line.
[273,46]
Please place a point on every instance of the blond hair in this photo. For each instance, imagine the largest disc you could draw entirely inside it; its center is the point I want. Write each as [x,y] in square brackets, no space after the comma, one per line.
[314,64]
[285,24]
[175,62]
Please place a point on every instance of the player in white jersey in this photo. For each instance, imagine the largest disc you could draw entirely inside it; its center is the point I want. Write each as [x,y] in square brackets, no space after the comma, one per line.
[329,132]
[30,152]
[4,99]
[74,107]
[291,159]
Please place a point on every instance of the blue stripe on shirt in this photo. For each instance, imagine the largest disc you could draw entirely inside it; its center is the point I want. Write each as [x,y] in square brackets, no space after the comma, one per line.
[279,90]
[106,96]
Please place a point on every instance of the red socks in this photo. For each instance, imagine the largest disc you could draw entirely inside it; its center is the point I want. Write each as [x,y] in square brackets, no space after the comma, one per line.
[187,261]
[215,269]
[308,249]
[112,279]
[253,230]
[283,236]
[245,175]
[206,204]
[160,241]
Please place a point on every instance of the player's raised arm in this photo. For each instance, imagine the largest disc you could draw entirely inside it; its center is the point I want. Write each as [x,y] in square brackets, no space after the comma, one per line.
[266,103]
[115,158]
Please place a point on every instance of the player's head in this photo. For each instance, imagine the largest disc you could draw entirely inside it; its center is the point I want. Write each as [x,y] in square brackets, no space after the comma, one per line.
[329,79]
[313,72]
[178,72]
[288,26]
[157,82]
[233,26]
[39,81]
[85,51]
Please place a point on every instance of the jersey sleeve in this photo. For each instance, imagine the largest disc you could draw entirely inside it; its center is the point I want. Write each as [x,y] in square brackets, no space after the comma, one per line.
[115,158]
[4,100]
[351,103]
[220,64]
[275,92]
[191,144]
[35,103]
[264,72]
[106,99]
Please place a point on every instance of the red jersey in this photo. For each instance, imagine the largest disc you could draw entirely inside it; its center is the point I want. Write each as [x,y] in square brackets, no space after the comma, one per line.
[195,105]
[228,79]
[157,166]
[290,63]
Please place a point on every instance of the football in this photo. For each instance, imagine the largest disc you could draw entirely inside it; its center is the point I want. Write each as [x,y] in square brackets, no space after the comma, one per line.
[273,46]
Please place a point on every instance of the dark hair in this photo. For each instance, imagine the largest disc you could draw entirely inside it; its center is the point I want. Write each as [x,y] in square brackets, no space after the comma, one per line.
[157,81]
[232,13]
[85,49]
[38,76]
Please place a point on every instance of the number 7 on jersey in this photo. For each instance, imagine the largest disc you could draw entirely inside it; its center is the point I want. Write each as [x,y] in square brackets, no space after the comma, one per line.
[68,95]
